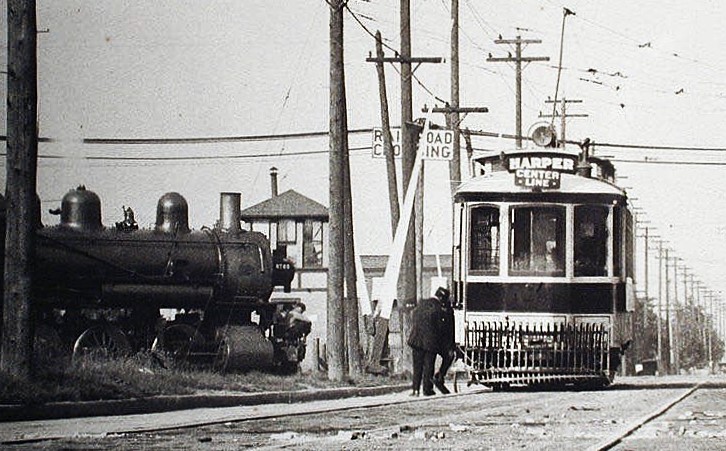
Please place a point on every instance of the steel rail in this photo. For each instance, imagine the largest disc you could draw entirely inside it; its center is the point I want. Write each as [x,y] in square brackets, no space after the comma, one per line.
[611,442]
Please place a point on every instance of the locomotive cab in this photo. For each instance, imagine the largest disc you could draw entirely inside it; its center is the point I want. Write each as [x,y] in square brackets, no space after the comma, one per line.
[542,267]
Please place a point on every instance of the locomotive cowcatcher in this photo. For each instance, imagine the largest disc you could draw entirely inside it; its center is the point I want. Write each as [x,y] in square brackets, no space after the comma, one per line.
[102,290]
[542,269]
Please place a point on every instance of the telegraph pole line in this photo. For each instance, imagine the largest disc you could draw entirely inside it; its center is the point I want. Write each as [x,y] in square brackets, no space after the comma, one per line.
[518,59]
[21,181]
[563,116]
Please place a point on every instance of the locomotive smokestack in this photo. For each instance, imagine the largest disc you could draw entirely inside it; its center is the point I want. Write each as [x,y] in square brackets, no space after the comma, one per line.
[229,212]
[273,180]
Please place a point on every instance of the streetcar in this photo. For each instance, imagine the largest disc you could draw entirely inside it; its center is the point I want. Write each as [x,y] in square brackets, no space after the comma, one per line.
[543,268]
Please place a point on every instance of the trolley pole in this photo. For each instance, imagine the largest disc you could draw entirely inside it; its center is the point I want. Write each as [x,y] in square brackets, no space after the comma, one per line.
[518,59]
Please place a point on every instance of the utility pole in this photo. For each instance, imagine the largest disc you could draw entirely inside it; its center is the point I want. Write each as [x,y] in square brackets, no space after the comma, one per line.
[669,322]
[409,285]
[21,181]
[407,293]
[518,59]
[660,307]
[350,303]
[387,138]
[380,324]
[452,119]
[645,268]
[710,328]
[338,129]
[675,352]
[563,116]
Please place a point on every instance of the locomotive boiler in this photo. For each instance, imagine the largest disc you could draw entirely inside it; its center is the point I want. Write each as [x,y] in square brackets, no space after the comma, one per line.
[104,289]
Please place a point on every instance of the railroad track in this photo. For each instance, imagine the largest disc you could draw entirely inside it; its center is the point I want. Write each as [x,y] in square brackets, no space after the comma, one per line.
[329,424]
[634,426]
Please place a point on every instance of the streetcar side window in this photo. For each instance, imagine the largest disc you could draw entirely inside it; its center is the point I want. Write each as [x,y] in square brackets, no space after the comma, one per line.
[484,244]
[537,241]
[591,239]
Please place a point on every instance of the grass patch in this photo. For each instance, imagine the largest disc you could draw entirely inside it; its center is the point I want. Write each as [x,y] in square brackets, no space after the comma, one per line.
[142,375]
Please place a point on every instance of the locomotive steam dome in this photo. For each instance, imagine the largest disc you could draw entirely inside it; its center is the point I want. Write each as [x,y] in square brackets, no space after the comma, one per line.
[81,210]
[172,214]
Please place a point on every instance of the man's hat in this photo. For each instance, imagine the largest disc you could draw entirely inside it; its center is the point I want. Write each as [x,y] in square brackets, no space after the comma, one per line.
[442,294]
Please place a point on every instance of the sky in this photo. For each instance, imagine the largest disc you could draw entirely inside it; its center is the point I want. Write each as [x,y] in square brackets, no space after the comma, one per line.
[649,73]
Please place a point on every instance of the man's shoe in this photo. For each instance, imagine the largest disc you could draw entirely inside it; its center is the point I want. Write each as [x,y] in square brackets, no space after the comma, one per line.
[439,383]
[429,393]
[414,393]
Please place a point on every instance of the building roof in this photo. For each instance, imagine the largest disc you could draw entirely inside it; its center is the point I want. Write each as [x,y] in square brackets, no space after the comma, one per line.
[289,204]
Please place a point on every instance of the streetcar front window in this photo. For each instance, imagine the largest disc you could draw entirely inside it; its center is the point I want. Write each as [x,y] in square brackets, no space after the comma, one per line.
[591,238]
[484,243]
[537,241]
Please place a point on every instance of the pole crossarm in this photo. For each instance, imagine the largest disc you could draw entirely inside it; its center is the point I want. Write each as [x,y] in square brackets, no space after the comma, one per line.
[399,59]
[564,100]
[560,115]
[518,41]
[523,59]
[448,109]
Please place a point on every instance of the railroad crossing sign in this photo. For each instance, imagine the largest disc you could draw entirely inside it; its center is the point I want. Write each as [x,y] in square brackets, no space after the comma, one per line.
[437,144]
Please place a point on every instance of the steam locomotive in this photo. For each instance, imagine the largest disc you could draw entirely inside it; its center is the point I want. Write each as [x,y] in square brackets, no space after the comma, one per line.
[543,268]
[102,289]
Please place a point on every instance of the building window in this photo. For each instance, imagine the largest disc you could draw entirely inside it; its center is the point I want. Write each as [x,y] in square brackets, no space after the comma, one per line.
[286,233]
[591,239]
[537,241]
[484,245]
[312,244]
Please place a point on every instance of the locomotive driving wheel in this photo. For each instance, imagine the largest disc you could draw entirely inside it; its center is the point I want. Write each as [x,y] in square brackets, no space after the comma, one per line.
[101,342]
[47,344]
[179,341]
[221,358]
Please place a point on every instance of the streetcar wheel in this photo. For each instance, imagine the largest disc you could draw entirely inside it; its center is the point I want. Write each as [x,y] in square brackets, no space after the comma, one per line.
[101,342]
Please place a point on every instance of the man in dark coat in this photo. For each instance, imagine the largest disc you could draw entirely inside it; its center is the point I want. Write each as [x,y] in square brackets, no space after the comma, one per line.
[423,340]
[447,348]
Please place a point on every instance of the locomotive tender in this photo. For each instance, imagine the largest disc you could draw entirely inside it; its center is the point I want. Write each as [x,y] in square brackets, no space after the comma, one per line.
[543,268]
[102,289]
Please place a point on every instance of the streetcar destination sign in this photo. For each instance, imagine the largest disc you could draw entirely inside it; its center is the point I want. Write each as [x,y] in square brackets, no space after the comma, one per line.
[437,144]
[540,171]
